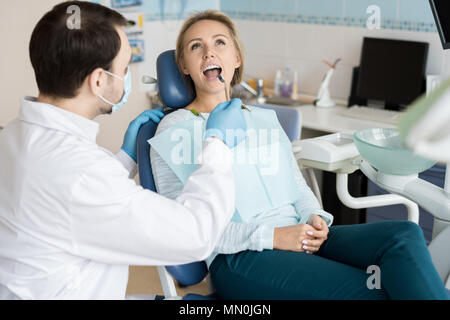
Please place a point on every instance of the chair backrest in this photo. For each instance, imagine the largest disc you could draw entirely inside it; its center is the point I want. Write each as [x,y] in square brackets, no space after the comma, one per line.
[175,94]
[289,118]
[173,89]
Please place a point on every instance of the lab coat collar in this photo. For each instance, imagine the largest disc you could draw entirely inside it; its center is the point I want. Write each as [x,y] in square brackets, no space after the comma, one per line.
[53,117]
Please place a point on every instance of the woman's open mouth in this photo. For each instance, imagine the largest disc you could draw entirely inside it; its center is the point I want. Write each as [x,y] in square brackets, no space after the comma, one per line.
[212,71]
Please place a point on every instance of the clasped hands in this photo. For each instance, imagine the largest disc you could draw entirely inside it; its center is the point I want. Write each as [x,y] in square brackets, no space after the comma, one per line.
[302,237]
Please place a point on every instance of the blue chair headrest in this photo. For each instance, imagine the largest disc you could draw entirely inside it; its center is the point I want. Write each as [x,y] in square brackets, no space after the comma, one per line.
[173,89]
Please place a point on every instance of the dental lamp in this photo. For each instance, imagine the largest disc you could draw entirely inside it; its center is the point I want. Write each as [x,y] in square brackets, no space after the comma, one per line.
[323,98]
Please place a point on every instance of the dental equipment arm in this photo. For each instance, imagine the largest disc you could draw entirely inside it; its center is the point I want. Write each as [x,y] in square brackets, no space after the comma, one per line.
[425,130]
[425,126]
[337,153]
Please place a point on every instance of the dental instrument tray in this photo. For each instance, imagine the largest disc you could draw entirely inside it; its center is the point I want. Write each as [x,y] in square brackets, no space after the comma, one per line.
[334,152]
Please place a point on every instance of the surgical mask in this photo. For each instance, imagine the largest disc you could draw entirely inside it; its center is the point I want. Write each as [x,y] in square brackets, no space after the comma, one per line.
[126,90]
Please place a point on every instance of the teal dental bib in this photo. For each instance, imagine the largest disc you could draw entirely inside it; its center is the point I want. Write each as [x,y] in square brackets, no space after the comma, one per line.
[262,163]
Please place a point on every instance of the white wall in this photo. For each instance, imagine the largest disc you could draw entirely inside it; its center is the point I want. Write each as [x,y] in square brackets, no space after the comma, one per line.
[17,21]
[270,46]
[275,45]
[159,37]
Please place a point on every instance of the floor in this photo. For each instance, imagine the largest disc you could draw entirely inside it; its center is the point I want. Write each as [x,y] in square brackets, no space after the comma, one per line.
[145,280]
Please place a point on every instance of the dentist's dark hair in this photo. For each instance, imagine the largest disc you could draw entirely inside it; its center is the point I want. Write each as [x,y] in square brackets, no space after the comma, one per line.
[63,55]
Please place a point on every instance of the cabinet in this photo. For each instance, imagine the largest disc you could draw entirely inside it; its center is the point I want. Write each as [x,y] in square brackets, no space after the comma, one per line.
[435,175]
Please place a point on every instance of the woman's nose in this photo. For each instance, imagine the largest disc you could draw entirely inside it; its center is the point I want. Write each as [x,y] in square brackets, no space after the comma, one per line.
[208,54]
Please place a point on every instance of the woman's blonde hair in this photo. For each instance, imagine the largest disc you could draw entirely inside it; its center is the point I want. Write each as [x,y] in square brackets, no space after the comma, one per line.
[218,16]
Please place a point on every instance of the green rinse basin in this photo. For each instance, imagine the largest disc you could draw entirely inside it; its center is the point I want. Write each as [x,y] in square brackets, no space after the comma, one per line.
[383,149]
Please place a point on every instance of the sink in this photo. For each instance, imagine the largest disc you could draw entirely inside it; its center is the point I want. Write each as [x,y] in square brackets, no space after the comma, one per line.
[383,149]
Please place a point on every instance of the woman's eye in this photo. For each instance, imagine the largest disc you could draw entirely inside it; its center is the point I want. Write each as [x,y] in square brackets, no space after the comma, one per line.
[195,46]
[220,42]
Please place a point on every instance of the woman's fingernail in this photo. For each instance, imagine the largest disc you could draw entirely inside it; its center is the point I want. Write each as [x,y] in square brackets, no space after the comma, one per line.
[308,252]
[305,247]
[305,242]
[310,233]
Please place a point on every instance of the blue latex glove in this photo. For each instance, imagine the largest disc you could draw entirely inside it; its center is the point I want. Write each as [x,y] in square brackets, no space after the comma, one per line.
[130,140]
[227,123]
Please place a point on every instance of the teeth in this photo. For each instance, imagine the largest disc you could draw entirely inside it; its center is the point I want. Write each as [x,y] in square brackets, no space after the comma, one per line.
[212,66]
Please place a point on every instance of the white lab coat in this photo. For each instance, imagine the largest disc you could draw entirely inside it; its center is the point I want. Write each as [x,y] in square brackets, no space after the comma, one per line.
[72,220]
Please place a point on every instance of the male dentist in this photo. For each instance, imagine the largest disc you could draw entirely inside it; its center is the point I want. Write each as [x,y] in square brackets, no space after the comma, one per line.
[72,219]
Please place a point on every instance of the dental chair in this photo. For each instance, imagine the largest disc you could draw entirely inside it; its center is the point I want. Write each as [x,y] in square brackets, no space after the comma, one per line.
[174,94]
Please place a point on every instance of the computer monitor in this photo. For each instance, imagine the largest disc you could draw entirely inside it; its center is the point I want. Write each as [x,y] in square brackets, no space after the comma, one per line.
[392,71]
[441,13]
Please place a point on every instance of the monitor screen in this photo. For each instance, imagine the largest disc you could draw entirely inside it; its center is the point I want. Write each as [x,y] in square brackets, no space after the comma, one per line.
[441,13]
[392,71]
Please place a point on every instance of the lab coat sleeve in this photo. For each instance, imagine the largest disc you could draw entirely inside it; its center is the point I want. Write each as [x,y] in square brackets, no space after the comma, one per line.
[117,222]
[127,162]
[307,203]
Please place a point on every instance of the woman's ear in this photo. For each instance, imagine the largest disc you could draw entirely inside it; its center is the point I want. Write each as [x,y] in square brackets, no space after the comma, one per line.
[183,68]
[238,61]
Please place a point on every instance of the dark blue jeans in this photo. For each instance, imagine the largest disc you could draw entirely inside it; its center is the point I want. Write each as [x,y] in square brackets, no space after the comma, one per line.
[338,270]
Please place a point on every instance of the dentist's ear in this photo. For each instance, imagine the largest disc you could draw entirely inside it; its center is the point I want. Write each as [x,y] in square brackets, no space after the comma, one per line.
[96,81]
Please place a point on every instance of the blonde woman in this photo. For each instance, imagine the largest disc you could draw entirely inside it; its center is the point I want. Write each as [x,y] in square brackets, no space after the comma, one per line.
[288,250]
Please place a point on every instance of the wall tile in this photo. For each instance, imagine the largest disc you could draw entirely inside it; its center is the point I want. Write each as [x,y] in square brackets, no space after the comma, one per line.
[236,5]
[263,38]
[201,5]
[264,66]
[328,8]
[406,15]
[415,10]
[304,42]
[358,8]
[304,46]
[172,9]
[285,7]
[151,7]
[310,74]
